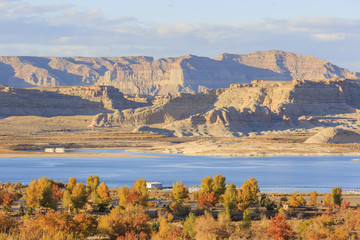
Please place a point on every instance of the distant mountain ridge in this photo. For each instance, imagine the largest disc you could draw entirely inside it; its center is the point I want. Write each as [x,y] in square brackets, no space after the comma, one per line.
[144,75]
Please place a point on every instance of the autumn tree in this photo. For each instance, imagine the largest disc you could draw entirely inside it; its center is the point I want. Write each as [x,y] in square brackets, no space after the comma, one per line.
[119,222]
[248,193]
[70,186]
[92,183]
[293,202]
[279,229]
[189,225]
[124,196]
[142,190]
[76,199]
[207,200]
[102,196]
[207,185]
[40,193]
[179,193]
[79,196]
[219,185]
[327,200]
[336,194]
[229,198]
[313,197]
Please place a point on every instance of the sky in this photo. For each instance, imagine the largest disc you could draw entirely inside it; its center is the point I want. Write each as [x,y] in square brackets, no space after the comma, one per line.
[328,30]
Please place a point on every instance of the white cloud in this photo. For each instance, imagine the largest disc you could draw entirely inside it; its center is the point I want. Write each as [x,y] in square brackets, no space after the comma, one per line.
[64,30]
[330,36]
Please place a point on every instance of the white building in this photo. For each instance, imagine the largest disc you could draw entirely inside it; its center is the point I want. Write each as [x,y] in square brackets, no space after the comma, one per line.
[154,185]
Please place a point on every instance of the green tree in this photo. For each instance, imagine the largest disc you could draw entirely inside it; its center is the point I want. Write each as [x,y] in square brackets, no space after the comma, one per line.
[142,190]
[219,185]
[179,193]
[189,225]
[246,219]
[207,185]
[336,194]
[229,198]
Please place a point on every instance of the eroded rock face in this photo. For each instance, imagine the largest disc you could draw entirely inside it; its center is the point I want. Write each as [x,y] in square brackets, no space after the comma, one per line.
[259,105]
[62,101]
[144,75]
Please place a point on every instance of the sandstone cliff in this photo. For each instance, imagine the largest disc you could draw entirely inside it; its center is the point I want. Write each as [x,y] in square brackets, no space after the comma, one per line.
[62,101]
[243,108]
[144,75]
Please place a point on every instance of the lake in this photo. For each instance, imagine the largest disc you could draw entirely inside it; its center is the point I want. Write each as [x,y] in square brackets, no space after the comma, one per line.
[295,173]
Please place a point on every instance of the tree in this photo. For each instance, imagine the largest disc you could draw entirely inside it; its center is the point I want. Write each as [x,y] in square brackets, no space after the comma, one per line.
[336,194]
[40,193]
[207,185]
[142,190]
[279,229]
[219,185]
[119,222]
[31,195]
[248,193]
[124,196]
[229,198]
[70,186]
[313,197]
[179,193]
[246,219]
[267,203]
[92,183]
[189,225]
[206,200]
[301,200]
[293,202]
[102,196]
[327,200]
[79,196]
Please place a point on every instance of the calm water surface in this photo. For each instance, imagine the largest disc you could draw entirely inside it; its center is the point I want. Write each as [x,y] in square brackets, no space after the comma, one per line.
[319,173]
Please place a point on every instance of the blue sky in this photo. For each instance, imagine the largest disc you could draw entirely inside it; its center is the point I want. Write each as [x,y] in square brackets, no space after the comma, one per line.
[326,29]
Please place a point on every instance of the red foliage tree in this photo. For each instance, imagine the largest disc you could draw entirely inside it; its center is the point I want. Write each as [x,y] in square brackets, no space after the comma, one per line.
[207,200]
[133,196]
[279,229]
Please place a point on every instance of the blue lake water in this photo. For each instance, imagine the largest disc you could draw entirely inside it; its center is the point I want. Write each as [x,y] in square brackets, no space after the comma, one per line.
[319,173]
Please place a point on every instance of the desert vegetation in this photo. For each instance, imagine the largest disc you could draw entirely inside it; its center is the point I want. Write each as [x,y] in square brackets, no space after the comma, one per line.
[47,209]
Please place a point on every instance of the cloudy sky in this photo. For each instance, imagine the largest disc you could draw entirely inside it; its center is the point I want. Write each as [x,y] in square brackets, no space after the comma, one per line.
[166,28]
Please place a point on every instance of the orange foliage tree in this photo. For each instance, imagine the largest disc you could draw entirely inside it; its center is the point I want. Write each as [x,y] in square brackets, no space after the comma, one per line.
[207,199]
[279,229]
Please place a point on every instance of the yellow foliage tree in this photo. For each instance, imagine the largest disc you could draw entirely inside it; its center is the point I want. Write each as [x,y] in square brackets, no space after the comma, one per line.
[124,192]
[207,185]
[102,196]
[142,190]
[248,193]
[179,193]
[219,185]
[313,197]
[70,186]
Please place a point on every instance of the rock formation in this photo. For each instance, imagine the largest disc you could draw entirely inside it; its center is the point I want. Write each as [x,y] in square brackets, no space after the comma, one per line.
[144,75]
[334,135]
[62,101]
[242,108]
